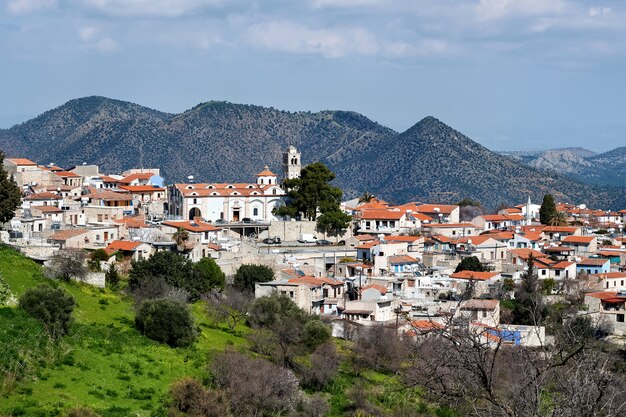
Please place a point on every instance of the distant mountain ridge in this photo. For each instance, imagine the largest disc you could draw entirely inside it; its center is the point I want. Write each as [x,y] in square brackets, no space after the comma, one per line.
[221,141]
[608,168]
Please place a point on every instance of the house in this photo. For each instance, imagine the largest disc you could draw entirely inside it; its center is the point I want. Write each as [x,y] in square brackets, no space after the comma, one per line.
[373,292]
[481,281]
[230,202]
[484,247]
[583,245]
[41,199]
[453,230]
[27,173]
[150,199]
[70,238]
[441,213]
[312,294]
[488,222]
[593,266]
[556,233]
[612,280]
[400,264]
[105,206]
[369,311]
[481,311]
[131,249]
[380,220]
[608,307]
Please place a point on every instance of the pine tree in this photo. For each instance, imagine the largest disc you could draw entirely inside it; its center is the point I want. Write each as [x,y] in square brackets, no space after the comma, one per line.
[9,194]
[547,210]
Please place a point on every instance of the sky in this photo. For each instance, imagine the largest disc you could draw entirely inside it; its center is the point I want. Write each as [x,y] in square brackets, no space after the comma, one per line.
[511,74]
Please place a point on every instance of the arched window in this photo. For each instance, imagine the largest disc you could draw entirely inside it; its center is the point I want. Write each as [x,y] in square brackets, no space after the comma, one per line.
[274,191]
[261,180]
[195,201]
[255,211]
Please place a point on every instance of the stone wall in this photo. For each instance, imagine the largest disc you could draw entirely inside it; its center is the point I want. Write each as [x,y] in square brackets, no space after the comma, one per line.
[290,231]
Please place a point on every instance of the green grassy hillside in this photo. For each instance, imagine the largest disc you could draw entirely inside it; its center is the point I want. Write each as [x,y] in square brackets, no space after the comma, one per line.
[104,363]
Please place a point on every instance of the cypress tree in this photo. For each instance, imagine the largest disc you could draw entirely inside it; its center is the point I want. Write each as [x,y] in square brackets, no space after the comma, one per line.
[9,194]
[547,210]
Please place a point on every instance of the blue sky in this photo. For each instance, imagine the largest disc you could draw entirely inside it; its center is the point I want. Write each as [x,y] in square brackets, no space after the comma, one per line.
[511,74]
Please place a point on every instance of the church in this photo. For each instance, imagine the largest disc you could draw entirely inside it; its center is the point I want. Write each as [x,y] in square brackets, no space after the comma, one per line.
[233,202]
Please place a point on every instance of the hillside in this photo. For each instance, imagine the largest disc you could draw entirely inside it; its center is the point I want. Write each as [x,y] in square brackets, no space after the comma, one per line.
[220,141]
[608,168]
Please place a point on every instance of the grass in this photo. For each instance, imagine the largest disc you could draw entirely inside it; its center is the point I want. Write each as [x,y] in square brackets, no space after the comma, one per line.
[102,361]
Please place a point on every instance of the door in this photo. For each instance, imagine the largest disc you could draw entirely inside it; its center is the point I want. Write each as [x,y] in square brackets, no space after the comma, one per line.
[235,215]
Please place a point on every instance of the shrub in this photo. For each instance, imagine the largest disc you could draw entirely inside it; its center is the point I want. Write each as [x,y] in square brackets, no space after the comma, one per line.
[324,367]
[81,412]
[314,334]
[190,397]
[208,275]
[166,321]
[67,264]
[248,275]
[97,256]
[52,306]
[112,277]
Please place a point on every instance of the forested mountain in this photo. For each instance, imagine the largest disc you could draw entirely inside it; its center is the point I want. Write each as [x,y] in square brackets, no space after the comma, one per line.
[220,141]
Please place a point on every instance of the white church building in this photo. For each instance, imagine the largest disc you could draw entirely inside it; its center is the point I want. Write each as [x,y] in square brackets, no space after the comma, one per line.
[233,202]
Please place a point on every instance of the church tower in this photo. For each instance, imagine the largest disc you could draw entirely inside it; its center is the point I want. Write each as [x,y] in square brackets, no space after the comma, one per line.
[292,163]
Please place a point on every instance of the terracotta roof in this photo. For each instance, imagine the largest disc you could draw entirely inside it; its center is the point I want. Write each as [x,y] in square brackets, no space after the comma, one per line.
[474,275]
[108,196]
[64,174]
[364,238]
[137,176]
[141,188]
[611,275]
[430,208]
[558,249]
[63,235]
[368,245]
[610,254]
[124,245]
[243,189]
[22,161]
[409,239]
[578,239]
[132,222]
[514,217]
[609,296]
[560,229]
[314,281]
[475,304]
[379,288]
[43,196]
[512,210]
[106,178]
[426,324]
[401,259]
[266,172]
[442,239]
[476,240]
[47,209]
[593,262]
[374,204]
[562,265]
[192,226]
[449,225]
[494,217]
[384,214]
[525,253]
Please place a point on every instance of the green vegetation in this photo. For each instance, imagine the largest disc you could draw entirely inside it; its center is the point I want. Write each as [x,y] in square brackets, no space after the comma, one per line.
[471,263]
[51,306]
[166,321]
[248,275]
[9,194]
[547,211]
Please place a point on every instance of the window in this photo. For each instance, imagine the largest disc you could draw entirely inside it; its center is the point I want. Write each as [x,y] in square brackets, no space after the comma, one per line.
[620,318]
[97,237]
[261,180]
[274,191]
[291,294]
[195,201]
[557,273]
[454,233]
[543,272]
[255,211]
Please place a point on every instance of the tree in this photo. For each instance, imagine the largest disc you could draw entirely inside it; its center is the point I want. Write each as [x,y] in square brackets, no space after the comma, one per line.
[66,264]
[314,334]
[324,366]
[232,305]
[333,222]
[471,263]
[311,192]
[255,387]
[166,321]
[168,268]
[468,202]
[249,274]
[97,256]
[188,396]
[208,275]
[112,277]
[529,307]
[366,197]
[180,237]
[10,194]
[51,306]
[558,219]
[547,210]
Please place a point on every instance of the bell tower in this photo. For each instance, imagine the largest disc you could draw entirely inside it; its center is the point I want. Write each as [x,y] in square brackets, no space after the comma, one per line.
[292,163]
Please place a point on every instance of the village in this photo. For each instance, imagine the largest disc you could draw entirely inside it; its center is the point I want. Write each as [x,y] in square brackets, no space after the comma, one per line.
[418,266]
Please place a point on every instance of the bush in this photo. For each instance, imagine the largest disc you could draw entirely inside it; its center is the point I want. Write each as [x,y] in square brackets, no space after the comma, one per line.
[248,275]
[166,321]
[314,334]
[190,397]
[97,256]
[471,263]
[166,267]
[208,275]
[112,277]
[324,367]
[52,306]
[67,264]
[81,412]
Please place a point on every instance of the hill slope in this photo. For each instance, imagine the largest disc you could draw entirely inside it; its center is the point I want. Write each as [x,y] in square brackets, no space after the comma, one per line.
[219,141]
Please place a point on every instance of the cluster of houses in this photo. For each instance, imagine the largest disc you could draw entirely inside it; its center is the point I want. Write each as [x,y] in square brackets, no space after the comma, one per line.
[398,264]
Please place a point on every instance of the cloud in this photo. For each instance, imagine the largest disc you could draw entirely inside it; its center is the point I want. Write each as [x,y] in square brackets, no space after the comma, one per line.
[498,9]
[28,6]
[92,39]
[322,4]
[335,42]
[163,8]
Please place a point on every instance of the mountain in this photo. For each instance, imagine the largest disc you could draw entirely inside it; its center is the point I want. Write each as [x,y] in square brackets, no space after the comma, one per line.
[220,141]
[580,164]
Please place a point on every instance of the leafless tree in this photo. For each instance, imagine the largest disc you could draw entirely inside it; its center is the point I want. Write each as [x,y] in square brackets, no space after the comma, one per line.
[324,366]
[231,305]
[189,398]
[381,348]
[255,386]
[66,264]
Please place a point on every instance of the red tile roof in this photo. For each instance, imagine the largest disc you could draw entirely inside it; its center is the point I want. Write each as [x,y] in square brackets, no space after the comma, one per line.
[382,214]
[43,196]
[108,196]
[431,208]
[379,288]
[124,245]
[525,253]
[47,209]
[192,226]
[22,161]
[402,259]
[494,218]
[449,225]
[560,229]
[578,239]
[63,235]
[266,172]
[137,176]
[474,275]
[141,188]
[593,262]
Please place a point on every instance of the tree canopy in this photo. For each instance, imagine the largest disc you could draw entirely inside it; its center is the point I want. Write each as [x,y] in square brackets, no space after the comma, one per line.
[248,275]
[471,263]
[9,194]
[311,194]
[548,209]
[51,306]
[166,321]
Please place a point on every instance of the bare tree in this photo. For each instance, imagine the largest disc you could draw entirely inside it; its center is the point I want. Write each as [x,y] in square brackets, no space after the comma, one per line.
[324,366]
[66,264]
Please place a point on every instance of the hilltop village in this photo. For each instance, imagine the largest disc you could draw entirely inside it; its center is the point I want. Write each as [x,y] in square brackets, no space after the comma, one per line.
[416,266]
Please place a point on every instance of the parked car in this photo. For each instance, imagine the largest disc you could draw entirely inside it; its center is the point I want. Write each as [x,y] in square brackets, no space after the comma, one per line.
[220,221]
[247,220]
[323,242]
[272,240]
